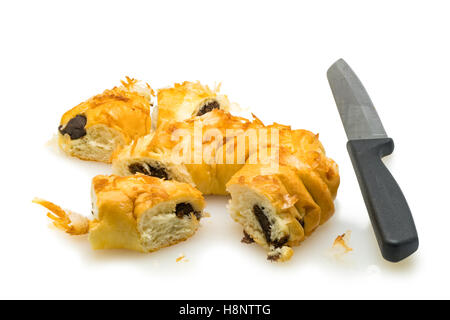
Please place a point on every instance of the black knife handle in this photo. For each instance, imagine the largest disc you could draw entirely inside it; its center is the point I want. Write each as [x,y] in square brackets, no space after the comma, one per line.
[391,217]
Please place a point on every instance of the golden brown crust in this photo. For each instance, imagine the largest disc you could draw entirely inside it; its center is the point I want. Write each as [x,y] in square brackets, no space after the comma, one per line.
[115,225]
[299,149]
[216,119]
[183,101]
[302,150]
[144,192]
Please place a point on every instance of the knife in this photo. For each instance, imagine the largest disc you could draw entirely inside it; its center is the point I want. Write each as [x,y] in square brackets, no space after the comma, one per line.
[367,144]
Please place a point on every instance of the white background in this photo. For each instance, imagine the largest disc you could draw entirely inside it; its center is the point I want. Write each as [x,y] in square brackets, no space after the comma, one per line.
[271,57]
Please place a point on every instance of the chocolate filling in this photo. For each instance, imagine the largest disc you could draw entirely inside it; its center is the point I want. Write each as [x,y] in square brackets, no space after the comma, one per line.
[302,222]
[150,171]
[280,242]
[208,107]
[247,239]
[185,209]
[158,172]
[263,221]
[266,227]
[75,127]
[274,257]
[137,167]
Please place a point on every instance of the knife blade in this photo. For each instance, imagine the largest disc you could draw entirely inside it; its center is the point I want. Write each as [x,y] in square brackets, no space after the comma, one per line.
[367,144]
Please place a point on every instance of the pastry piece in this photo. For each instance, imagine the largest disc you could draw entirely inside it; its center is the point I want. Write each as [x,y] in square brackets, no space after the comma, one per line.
[95,128]
[274,207]
[186,100]
[202,143]
[267,210]
[137,212]
[278,206]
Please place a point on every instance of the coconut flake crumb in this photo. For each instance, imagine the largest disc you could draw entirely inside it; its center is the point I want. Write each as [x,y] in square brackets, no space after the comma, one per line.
[342,241]
[340,245]
[182,258]
[206,214]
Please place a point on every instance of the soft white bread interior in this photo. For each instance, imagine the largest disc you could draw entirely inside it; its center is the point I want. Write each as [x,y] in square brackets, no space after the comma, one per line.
[94,129]
[167,223]
[98,144]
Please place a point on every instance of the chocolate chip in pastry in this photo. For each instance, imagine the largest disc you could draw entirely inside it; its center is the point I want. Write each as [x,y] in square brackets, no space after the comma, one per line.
[75,128]
[208,107]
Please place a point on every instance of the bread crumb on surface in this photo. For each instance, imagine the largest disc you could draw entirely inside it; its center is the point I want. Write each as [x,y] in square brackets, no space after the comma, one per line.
[181,257]
[340,248]
[206,214]
[342,241]
[52,144]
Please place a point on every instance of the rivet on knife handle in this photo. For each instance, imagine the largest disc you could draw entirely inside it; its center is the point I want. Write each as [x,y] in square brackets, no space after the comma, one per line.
[389,212]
